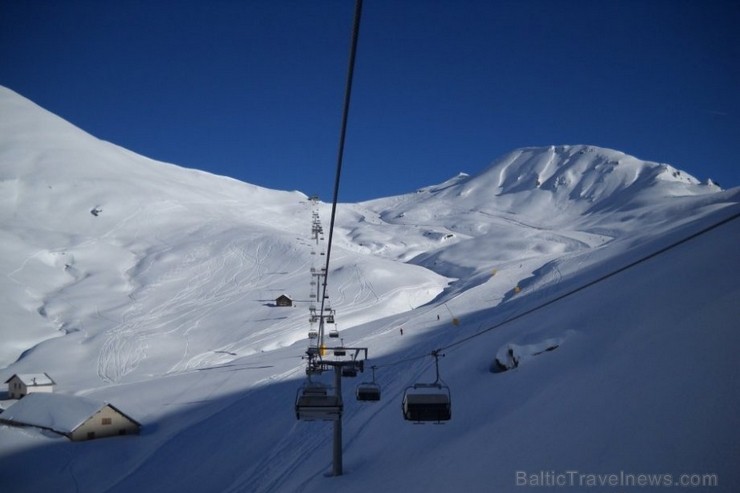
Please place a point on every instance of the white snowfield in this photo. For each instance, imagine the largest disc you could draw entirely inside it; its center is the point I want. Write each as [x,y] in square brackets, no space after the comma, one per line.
[614,282]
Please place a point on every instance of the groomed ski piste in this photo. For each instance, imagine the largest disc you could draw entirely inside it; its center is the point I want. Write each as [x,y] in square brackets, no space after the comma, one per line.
[612,281]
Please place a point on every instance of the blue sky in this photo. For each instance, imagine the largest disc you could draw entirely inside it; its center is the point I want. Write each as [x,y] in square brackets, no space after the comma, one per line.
[253,89]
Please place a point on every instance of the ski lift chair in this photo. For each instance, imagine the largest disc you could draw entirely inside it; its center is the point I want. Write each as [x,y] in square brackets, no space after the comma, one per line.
[317,402]
[368,391]
[427,402]
[333,332]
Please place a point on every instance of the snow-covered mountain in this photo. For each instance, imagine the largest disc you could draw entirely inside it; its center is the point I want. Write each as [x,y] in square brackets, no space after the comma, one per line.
[152,287]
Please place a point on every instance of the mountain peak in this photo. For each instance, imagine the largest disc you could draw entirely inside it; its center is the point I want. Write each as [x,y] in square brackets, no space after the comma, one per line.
[577,167]
[584,177]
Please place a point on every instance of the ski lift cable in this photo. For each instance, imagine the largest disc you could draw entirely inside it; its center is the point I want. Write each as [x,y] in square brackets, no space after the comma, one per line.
[342,138]
[435,353]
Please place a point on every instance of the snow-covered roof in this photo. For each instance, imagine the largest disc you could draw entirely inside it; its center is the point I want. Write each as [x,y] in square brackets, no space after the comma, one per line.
[62,413]
[31,379]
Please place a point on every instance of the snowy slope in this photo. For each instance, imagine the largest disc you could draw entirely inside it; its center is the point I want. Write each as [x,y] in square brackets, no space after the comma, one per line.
[167,258]
[152,286]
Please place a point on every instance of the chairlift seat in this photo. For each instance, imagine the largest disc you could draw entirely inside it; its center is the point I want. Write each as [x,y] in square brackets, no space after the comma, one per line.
[315,403]
[427,402]
[368,391]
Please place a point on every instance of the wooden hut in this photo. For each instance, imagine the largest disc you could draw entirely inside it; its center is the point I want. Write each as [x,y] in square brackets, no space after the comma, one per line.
[283,300]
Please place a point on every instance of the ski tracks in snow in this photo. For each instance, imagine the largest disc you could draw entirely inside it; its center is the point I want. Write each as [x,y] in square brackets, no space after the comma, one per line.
[206,285]
[363,291]
[366,292]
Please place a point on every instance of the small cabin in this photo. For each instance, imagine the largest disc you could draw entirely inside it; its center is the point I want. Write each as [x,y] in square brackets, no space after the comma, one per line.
[77,418]
[283,300]
[22,384]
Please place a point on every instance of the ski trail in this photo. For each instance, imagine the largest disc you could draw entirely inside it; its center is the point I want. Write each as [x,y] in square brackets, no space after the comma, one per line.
[284,458]
[286,455]
[163,447]
[366,290]
[199,287]
[125,345]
